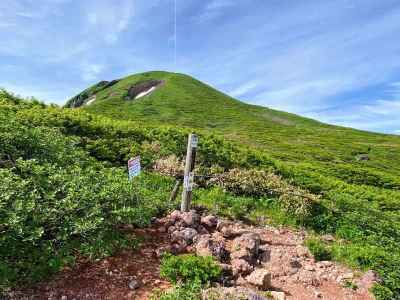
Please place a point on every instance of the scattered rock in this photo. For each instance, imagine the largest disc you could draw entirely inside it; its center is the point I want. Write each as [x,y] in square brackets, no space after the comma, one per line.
[189,234]
[175,216]
[278,295]
[249,242]
[134,284]
[328,238]
[302,251]
[209,221]
[220,253]
[191,219]
[318,294]
[202,229]
[240,266]
[260,278]
[204,246]
[346,276]
[241,254]
[368,280]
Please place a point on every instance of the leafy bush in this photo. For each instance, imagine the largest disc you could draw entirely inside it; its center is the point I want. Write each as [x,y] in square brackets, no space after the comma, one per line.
[188,269]
[180,292]
[318,249]
[359,201]
[266,184]
[57,201]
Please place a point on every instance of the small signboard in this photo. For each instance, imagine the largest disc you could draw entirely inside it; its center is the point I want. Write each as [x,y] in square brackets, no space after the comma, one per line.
[188,182]
[134,167]
[195,141]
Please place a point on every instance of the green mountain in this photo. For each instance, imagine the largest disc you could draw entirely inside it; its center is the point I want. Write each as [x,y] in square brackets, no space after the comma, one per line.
[180,100]
[64,189]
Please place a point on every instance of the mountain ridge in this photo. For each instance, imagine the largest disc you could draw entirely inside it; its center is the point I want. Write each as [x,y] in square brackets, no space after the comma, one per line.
[184,101]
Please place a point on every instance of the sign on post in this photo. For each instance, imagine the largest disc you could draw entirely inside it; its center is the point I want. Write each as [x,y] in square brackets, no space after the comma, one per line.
[134,167]
[188,178]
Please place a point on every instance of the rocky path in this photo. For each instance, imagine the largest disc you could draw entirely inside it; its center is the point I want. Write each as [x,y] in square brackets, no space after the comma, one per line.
[128,275]
[261,259]
[257,262]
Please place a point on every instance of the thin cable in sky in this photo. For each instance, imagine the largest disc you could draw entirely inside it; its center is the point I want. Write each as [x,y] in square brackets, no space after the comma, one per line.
[175,35]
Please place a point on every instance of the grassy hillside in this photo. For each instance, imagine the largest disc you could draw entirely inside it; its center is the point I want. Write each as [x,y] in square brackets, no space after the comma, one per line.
[360,199]
[74,160]
[185,101]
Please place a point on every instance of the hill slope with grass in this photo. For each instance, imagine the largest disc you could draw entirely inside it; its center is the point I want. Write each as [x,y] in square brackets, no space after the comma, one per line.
[64,190]
[179,100]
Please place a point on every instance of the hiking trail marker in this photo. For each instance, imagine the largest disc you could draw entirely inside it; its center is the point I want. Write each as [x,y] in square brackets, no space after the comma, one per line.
[134,167]
[188,179]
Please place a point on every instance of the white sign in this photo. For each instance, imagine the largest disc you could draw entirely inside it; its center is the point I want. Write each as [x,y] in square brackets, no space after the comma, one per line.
[195,141]
[188,182]
[134,167]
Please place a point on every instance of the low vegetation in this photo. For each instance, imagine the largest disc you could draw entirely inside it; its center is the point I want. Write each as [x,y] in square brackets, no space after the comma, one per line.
[64,188]
[189,273]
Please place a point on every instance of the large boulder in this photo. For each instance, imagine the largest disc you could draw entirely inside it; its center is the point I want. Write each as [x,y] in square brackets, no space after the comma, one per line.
[241,267]
[260,278]
[209,221]
[204,245]
[190,219]
[248,241]
[187,234]
[207,245]
[229,229]
[246,247]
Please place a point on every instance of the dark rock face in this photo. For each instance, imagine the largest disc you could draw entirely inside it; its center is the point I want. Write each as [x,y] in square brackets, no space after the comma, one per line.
[82,98]
[141,87]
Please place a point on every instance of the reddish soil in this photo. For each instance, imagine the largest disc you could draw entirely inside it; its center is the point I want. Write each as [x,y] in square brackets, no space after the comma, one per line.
[314,280]
[108,278]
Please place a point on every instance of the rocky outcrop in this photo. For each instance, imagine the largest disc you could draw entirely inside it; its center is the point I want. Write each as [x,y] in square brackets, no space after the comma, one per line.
[89,94]
[261,259]
[141,87]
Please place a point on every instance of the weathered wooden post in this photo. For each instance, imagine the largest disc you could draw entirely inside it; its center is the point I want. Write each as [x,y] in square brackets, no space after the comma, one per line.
[189,174]
[174,192]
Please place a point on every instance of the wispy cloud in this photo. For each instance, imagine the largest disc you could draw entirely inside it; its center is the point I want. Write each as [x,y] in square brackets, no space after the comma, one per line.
[245,88]
[378,115]
[336,61]
[213,9]
[108,18]
[91,71]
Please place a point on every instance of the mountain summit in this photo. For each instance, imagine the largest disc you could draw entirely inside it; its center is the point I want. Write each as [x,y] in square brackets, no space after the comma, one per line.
[164,98]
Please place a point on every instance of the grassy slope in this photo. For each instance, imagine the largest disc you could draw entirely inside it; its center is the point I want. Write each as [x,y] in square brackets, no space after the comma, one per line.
[185,101]
[367,216]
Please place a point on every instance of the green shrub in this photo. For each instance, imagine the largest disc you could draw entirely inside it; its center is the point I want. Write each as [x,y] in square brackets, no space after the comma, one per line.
[318,249]
[260,183]
[180,292]
[188,269]
[358,201]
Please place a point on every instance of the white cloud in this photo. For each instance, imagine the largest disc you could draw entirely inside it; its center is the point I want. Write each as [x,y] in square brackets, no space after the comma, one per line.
[213,10]
[245,88]
[109,19]
[91,71]
[379,115]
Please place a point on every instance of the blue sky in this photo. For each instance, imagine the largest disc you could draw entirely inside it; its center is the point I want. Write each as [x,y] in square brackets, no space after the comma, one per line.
[335,61]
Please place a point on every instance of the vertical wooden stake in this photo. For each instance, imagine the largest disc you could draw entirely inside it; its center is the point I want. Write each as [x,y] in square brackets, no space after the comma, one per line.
[174,192]
[189,174]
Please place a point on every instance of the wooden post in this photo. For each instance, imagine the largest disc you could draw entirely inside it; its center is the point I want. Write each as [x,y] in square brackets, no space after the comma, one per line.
[189,174]
[174,192]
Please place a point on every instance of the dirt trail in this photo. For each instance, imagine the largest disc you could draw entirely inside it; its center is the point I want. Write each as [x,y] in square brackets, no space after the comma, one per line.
[293,269]
[108,278]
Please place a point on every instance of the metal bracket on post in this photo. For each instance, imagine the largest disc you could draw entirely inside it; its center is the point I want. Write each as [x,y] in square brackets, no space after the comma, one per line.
[188,179]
